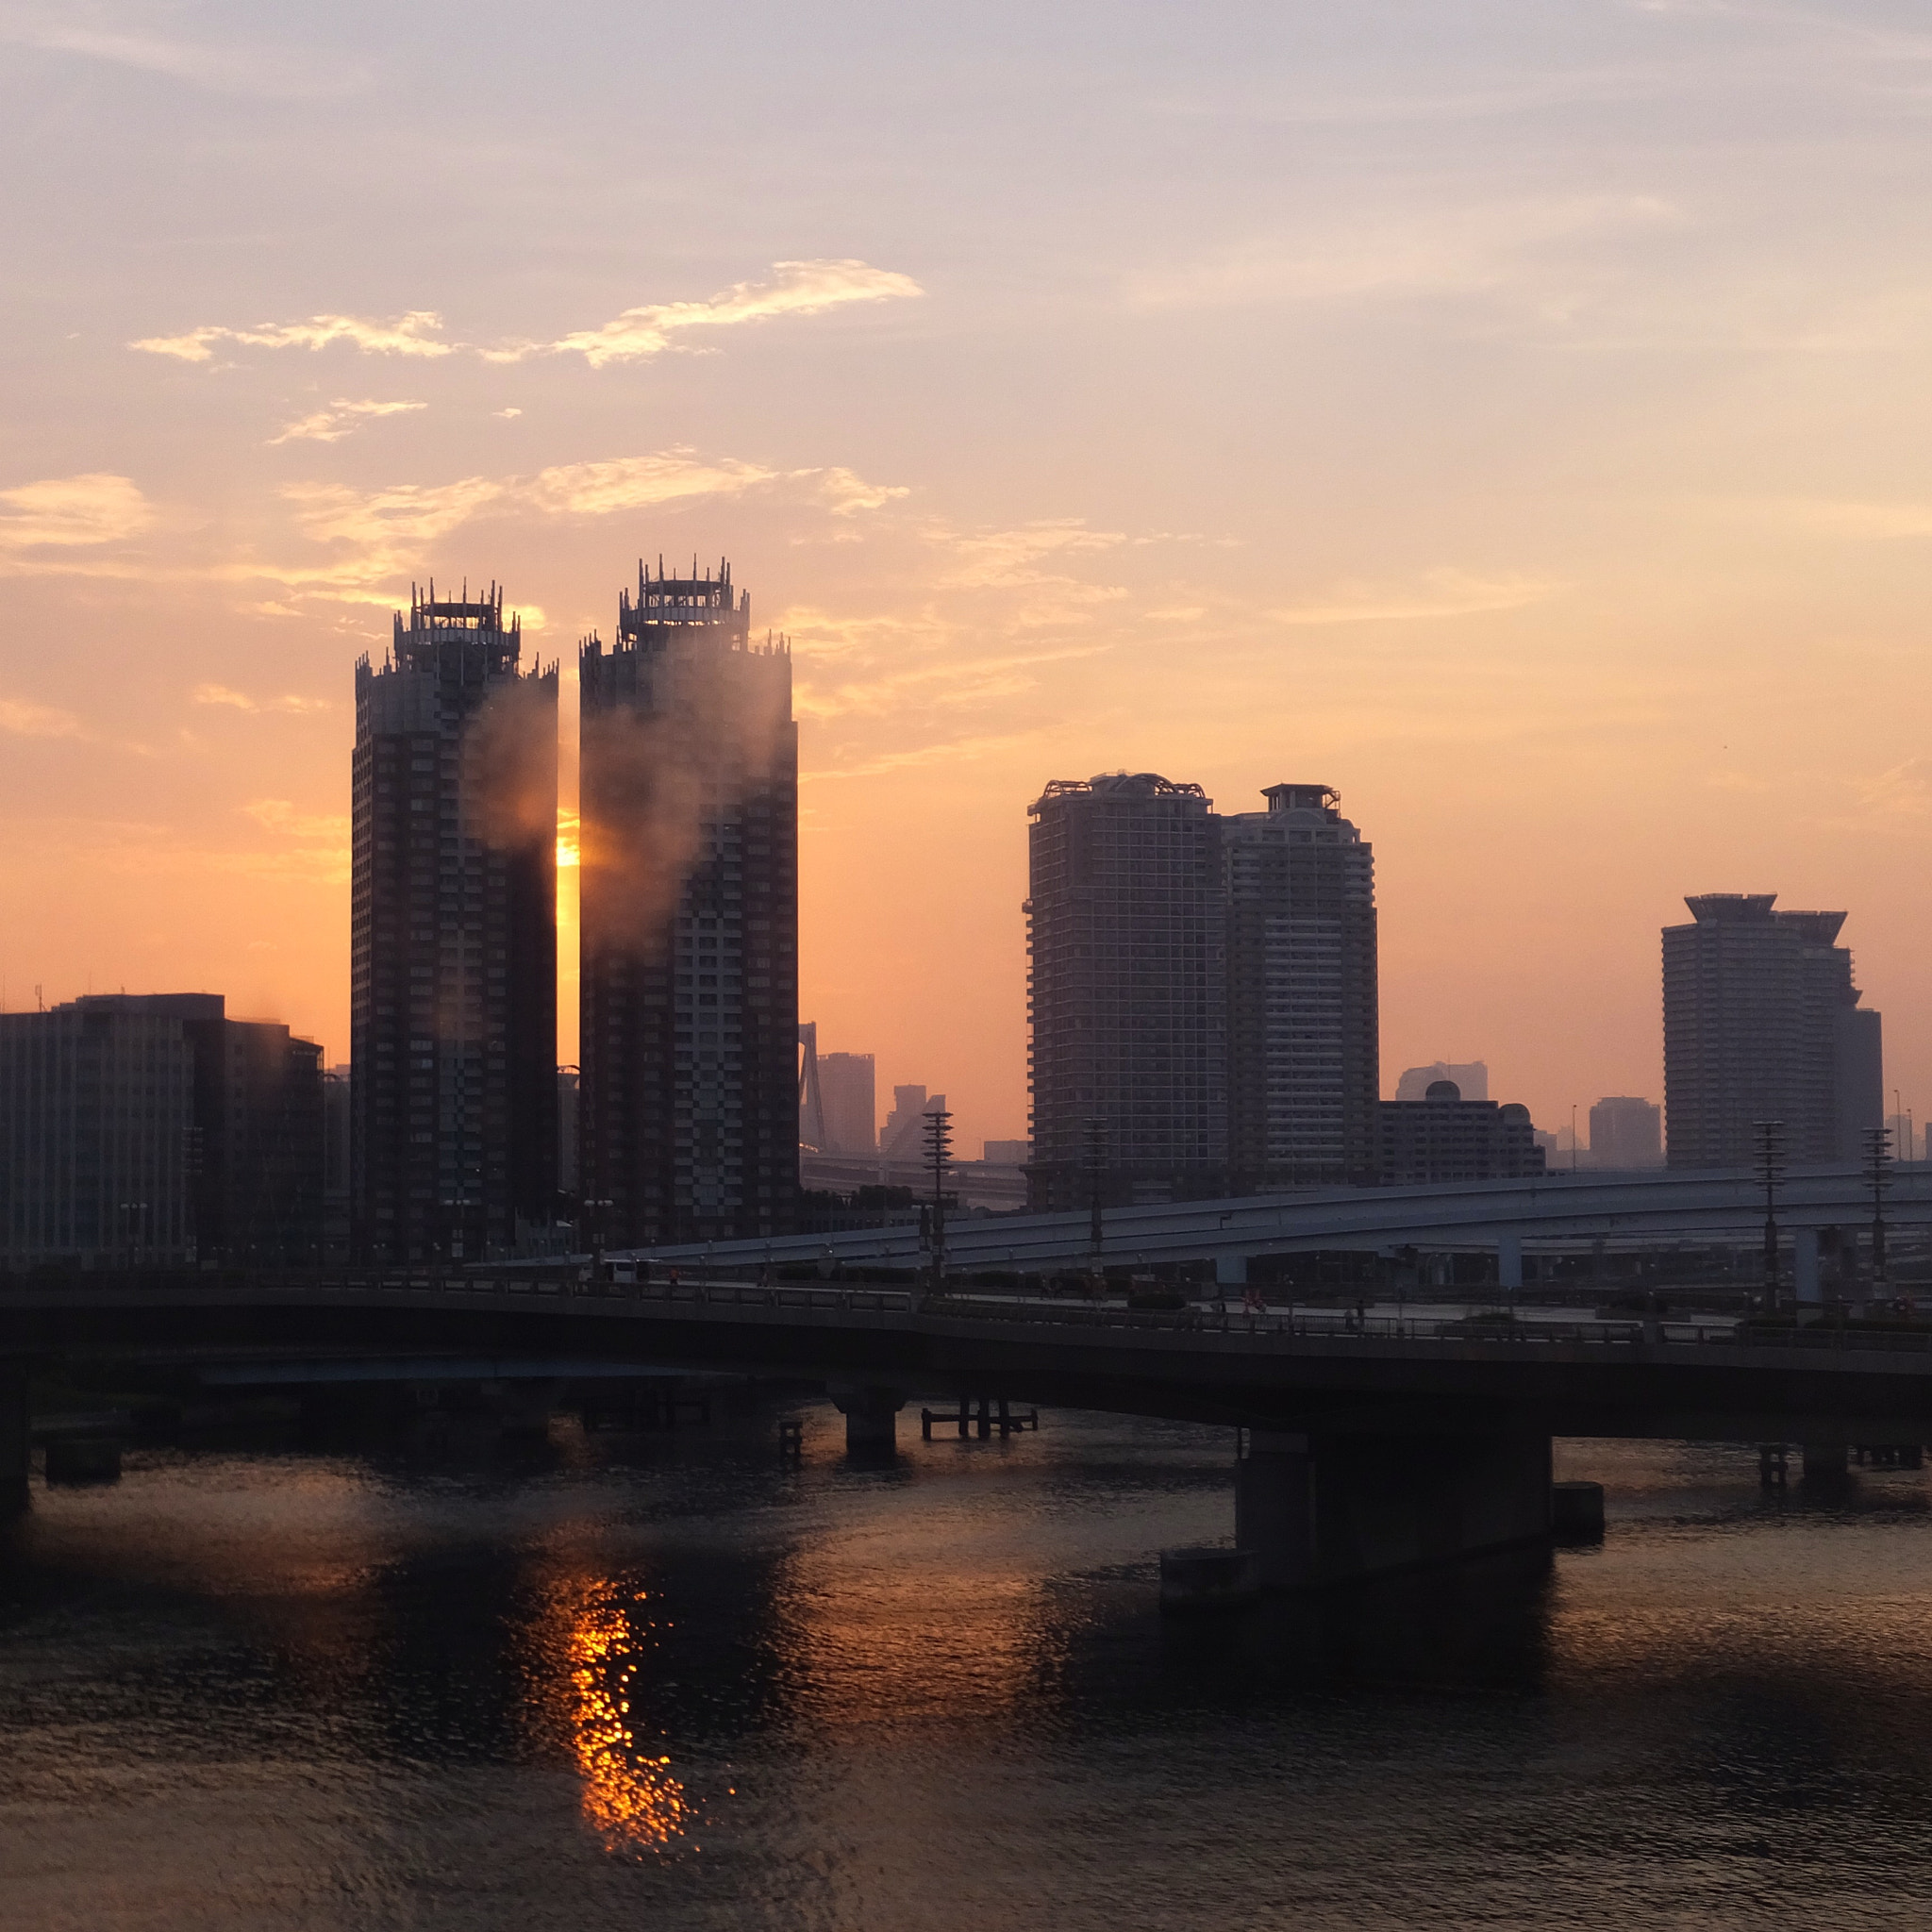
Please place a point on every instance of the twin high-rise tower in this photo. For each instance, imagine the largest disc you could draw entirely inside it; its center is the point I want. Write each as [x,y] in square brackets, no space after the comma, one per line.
[689,1104]
[1202,992]
[453,995]
[690,869]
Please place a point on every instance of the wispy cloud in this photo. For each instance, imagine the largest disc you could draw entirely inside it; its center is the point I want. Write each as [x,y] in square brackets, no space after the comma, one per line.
[1470,250]
[280,815]
[1019,556]
[380,536]
[228,67]
[1870,521]
[239,700]
[1437,593]
[941,751]
[24,720]
[66,512]
[845,493]
[342,417]
[940,684]
[796,288]
[414,334]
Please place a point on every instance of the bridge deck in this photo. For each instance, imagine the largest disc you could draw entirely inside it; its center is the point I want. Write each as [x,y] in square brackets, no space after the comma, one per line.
[1299,1369]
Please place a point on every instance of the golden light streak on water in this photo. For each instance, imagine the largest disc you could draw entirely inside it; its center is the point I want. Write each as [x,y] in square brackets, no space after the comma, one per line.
[630,1797]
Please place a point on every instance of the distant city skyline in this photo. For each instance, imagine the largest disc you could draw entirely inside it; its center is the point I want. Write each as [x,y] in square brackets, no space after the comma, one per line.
[1509,417]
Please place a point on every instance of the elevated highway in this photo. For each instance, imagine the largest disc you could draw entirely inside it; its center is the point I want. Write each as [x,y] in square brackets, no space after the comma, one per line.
[1651,1208]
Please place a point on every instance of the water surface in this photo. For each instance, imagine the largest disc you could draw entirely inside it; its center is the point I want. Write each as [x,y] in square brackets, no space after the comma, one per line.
[659,1679]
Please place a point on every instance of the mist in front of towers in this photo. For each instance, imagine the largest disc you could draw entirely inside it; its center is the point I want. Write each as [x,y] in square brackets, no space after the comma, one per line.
[672,743]
[513,739]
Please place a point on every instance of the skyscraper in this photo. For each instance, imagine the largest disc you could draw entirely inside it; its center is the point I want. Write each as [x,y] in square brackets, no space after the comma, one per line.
[1127,981]
[1625,1131]
[689,871]
[904,1135]
[1304,1077]
[849,1094]
[1762,1023]
[453,1003]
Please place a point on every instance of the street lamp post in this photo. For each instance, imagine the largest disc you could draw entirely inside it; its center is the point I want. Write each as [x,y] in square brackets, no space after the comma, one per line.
[1878,1173]
[1770,1171]
[1096,1200]
[595,1210]
[939,1153]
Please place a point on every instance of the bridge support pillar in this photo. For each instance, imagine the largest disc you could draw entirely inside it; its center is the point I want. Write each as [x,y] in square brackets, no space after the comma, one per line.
[1326,1509]
[1805,1266]
[16,1441]
[1230,1271]
[1275,1507]
[872,1414]
[1510,1260]
[524,1408]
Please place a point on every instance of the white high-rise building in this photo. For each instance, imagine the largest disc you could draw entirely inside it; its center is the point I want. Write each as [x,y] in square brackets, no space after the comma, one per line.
[848,1096]
[1303,1077]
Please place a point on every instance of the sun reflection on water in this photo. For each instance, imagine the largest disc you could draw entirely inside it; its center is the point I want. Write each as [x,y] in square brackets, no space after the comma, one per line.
[630,1797]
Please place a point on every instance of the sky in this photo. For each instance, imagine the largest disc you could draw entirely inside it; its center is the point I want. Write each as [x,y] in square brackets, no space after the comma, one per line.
[1518,417]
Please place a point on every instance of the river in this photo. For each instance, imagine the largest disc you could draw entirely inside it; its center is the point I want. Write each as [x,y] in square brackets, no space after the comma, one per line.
[659,1679]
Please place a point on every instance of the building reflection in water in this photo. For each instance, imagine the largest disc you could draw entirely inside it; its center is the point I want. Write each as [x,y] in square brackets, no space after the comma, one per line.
[596,1640]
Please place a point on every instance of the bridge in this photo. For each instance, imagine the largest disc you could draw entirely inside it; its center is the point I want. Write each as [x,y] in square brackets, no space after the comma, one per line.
[1653,1206]
[1371,1442]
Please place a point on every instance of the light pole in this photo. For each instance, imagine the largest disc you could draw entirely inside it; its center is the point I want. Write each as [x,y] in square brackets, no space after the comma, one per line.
[939,1153]
[1770,1171]
[595,1210]
[1096,1200]
[1878,1173]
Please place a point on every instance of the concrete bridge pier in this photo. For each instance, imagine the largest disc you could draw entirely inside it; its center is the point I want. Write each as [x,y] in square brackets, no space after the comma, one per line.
[1275,1507]
[1510,1260]
[523,1408]
[872,1414]
[1805,1277]
[16,1441]
[1323,1509]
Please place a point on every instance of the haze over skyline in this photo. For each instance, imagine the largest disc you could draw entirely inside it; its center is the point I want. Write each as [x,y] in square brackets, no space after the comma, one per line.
[1514,417]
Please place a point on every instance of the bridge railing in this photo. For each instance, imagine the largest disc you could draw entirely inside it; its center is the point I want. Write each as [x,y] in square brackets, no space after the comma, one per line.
[833,1300]
[1529,1333]
[831,1297]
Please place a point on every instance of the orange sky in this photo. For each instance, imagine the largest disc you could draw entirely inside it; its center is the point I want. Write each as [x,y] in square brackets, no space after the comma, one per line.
[1516,427]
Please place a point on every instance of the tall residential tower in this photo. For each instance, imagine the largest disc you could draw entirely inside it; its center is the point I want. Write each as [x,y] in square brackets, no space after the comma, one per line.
[690,869]
[1304,1069]
[453,1003]
[1203,994]
[1126,984]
